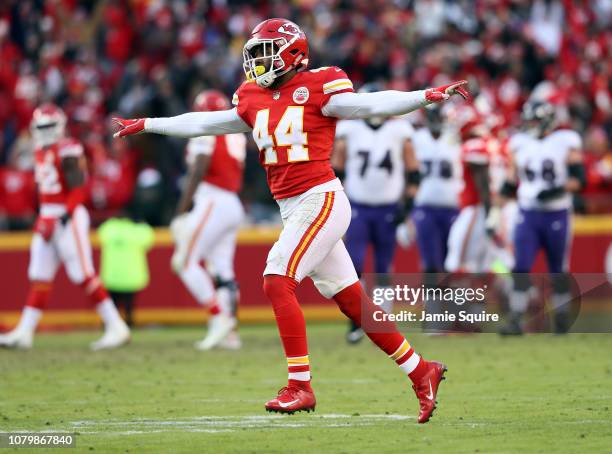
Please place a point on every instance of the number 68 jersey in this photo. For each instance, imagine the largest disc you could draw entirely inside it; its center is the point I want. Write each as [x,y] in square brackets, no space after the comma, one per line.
[294,138]
[542,164]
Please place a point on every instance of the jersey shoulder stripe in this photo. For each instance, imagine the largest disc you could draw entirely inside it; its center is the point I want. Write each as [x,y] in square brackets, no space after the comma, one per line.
[337,85]
[70,148]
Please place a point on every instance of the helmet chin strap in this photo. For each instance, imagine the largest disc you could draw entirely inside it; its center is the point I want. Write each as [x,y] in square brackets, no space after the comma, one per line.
[266,79]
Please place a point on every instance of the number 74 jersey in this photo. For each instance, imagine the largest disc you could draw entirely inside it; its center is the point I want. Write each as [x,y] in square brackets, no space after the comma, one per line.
[294,138]
[542,164]
[374,165]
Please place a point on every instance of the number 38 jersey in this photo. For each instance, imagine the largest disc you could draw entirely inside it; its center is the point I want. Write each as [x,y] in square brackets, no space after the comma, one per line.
[542,164]
[440,167]
[52,188]
[374,160]
[294,138]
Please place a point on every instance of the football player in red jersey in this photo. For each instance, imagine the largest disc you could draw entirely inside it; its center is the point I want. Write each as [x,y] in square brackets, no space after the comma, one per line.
[208,231]
[468,246]
[292,114]
[61,233]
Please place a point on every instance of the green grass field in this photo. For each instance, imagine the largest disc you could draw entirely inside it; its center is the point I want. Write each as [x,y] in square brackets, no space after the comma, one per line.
[534,394]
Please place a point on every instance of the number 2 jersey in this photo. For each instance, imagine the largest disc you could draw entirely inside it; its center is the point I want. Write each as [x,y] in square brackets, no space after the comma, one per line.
[374,160]
[542,164]
[50,180]
[294,138]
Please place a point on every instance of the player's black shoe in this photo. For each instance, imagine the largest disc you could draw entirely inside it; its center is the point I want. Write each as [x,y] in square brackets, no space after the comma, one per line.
[513,325]
[561,322]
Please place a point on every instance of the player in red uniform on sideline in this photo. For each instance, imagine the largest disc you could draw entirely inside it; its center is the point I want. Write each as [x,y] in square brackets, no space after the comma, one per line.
[61,233]
[292,113]
[468,242]
[208,231]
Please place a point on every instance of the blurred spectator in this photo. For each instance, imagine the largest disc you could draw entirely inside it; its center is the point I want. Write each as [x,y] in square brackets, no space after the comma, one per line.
[148,58]
[17,198]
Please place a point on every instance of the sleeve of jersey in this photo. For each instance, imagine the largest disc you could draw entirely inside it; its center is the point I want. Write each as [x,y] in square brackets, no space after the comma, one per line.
[475,152]
[407,131]
[71,148]
[239,101]
[574,140]
[334,81]
[201,145]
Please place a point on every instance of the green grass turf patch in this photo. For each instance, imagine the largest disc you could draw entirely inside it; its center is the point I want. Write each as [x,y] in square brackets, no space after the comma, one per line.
[538,393]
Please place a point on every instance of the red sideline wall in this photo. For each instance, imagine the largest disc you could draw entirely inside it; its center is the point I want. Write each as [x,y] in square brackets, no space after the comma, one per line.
[166,301]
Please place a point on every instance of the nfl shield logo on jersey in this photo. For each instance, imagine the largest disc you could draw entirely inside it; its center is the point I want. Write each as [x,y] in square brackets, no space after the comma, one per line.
[276,95]
[300,95]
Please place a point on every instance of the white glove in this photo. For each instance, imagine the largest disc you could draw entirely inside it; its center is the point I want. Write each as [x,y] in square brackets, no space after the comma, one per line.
[405,234]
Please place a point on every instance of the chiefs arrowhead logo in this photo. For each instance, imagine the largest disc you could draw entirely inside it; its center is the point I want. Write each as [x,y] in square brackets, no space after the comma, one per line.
[289,29]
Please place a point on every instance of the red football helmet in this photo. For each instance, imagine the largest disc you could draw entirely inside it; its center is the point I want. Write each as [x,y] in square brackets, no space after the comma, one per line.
[48,124]
[283,47]
[210,100]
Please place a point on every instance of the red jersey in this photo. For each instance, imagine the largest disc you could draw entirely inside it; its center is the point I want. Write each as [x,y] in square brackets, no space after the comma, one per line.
[294,138]
[473,151]
[48,170]
[227,155]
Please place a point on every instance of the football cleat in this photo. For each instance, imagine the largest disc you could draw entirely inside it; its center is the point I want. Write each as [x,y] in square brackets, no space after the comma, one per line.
[513,326]
[291,399]
[17,339]
[231,342]
[114,336]
[561,322]
[354,334]
[219,326]
[427,389]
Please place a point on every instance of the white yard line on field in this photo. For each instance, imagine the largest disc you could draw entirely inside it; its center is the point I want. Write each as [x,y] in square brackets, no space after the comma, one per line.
[214,424]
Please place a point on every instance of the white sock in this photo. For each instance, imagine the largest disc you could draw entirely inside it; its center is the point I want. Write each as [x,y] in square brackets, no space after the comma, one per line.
[198,283]
[411,363]
[30,316]
[561,301]
[519,301]
[109,313]
[224,296]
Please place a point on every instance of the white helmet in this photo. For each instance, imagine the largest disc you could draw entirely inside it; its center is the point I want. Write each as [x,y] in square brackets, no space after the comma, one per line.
[48,124]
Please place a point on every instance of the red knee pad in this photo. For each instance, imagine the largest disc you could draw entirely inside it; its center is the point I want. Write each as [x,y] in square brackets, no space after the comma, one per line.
[38,296]
[279,289]
[94,289]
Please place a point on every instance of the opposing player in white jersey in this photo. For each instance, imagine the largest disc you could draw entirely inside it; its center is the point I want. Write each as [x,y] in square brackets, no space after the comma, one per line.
[547,168]
[437,200]
[61,233]
[373,155]
[208,231]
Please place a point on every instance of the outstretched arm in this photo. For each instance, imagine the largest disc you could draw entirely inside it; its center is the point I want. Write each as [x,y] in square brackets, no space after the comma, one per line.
[389,102]
[191,124]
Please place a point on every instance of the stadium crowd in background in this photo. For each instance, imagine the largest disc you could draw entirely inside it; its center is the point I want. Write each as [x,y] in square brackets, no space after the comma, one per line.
[150,57]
